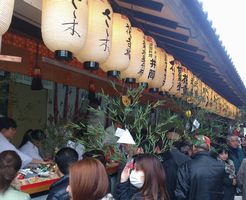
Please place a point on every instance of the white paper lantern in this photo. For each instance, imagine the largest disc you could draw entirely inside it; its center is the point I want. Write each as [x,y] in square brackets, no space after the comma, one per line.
[197,91]
[98,42]
[169,80]
[64,26]
[175,89]
[137,63]
[150,62]
[184,82]
[159,78]
[6,13]
[120,54]
[204,91]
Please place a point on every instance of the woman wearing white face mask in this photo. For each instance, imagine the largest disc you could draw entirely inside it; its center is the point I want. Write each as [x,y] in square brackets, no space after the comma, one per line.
[146,181]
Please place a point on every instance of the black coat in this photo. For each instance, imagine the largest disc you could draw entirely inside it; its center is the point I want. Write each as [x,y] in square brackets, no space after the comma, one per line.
[58,189]
[200,179]
[171,161]
[125,191]
[229,189]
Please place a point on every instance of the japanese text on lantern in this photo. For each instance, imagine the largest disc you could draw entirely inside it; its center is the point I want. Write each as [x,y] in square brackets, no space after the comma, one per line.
[141,71]
[72,25]
[129,39]
[105,41]
[152,61]
[165,71]
[173,71]
[179,78]
[185,83]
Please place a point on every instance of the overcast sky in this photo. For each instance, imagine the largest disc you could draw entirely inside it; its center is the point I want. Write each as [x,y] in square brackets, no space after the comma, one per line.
[228,18]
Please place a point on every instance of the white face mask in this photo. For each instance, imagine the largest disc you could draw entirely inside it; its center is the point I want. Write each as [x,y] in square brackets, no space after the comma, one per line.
[137,178]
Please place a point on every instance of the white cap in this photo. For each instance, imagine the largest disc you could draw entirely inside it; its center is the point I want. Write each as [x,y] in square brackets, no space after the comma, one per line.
[119,132]
[126,138]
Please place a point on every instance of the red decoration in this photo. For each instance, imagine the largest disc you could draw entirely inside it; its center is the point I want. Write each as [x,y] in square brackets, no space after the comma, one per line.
[92,87]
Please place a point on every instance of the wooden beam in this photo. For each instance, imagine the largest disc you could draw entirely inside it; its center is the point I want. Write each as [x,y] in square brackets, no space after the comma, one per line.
[152,5]
[10,58]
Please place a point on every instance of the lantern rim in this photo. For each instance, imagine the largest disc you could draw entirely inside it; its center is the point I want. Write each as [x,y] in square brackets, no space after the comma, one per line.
[63,55]
[91,65]
[113,73]
[154,90]
[143,84]
[130,80]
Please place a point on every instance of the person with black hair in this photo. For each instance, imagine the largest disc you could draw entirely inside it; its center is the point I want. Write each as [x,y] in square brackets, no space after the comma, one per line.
[31,143]
[10,163]
[229,185]
[200,178]
[64,158]
[7,131]
[145,179]
[171,160]
[98,154]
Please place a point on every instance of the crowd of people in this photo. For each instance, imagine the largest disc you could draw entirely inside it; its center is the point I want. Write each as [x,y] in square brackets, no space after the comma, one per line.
[189,170]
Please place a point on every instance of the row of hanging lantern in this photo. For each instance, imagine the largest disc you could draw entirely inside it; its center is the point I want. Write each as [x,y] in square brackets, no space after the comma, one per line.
[96,36]
[6,12]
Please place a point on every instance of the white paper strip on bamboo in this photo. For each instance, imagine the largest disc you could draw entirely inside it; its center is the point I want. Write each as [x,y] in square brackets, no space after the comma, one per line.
[159,78]
[137,63]
[98,42]
[64,26]
[6,13]
[150,62]
[120,54]
[169,74]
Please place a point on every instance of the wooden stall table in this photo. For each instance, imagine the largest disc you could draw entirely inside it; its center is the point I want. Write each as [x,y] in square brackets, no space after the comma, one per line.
[35,184]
